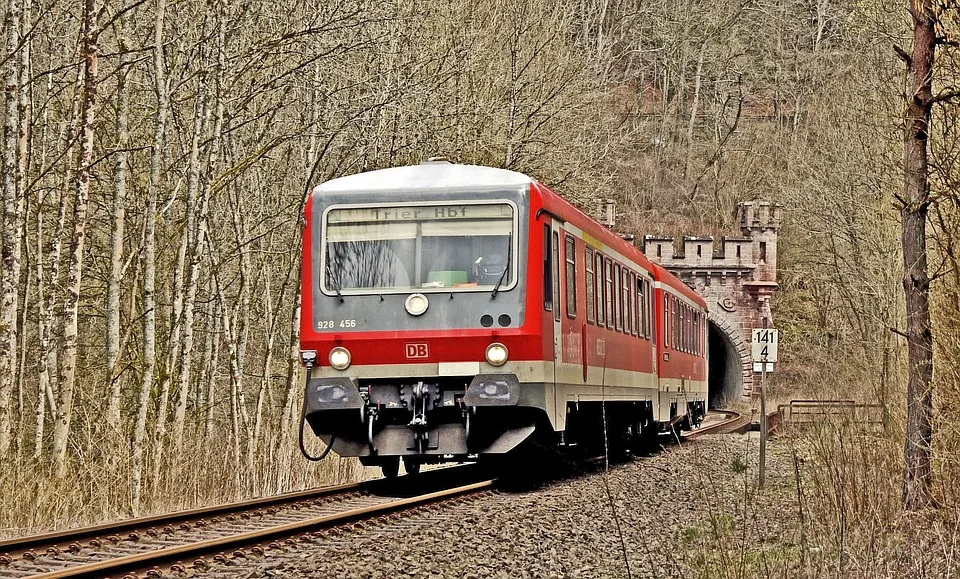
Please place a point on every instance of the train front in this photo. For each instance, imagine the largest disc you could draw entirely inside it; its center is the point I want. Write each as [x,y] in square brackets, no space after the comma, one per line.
[414,304]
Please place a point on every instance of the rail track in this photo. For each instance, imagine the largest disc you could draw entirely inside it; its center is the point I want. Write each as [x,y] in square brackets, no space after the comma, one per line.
[181,540]
[148,546]
[735,422]
[732,422]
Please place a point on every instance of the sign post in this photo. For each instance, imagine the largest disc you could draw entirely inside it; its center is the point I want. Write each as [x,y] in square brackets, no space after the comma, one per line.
[764,353]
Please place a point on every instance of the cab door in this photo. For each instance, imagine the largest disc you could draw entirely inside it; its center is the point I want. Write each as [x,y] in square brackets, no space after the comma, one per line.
[557,291]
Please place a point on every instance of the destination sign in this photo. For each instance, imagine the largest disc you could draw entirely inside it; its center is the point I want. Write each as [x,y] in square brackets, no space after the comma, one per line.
[419,213]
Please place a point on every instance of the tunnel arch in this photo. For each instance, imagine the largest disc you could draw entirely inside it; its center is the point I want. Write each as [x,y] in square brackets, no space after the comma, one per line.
[727,363]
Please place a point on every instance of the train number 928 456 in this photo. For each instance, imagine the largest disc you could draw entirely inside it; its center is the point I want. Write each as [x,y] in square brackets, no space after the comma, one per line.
[331,324]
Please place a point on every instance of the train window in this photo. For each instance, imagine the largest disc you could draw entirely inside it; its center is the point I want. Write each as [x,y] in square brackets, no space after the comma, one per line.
[591,280]
[627,302]
[570,257]
[641,307]
[649,308]
[666,320]
[617,299]
[632,298]
[547,270]
[600,302]
[556,276]
[696,334]
[608,290]
[683,329]
[675,330]
[398,249]
[693,332]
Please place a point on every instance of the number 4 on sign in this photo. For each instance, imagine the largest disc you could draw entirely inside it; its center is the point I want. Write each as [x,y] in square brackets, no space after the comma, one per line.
[764,344]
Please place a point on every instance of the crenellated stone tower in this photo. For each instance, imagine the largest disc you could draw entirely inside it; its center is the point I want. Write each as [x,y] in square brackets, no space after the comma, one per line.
[737,279]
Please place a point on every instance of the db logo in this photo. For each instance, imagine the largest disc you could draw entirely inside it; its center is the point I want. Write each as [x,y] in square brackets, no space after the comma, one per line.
[417,351]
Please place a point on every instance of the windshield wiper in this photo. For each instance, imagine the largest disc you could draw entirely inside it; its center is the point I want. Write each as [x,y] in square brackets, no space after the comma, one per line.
[505,269]
[340,295]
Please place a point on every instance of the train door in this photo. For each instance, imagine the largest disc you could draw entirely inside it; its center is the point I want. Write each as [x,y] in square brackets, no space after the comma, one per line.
[552,305]
[557,298]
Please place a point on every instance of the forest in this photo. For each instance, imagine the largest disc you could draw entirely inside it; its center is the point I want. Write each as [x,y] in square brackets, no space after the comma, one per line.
[156,156]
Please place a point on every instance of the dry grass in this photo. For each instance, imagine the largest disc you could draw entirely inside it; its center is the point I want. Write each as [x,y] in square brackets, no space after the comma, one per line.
[838,505]
[99,489]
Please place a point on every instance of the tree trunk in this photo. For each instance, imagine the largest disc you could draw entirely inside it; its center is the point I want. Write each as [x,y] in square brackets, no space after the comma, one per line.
[116,237]
[8,289]
[194,239]
[25,110]
[150,262]
[916,284]
[61,425]
[43,328]
[213,358]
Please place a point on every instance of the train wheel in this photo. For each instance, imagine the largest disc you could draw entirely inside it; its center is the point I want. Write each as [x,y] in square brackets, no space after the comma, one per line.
[390,466]
[411,465]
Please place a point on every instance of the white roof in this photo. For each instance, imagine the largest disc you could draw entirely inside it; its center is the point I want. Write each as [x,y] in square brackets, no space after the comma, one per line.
[428,175]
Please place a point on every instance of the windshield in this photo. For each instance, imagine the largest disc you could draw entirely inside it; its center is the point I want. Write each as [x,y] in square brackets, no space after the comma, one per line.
[449,247]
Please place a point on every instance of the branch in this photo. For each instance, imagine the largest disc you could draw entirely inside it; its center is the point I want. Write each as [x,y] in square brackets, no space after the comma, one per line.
[946,95]
[899,333]
[903,55]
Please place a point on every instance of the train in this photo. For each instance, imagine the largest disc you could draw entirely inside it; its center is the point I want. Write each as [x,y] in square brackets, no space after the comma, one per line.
[454,312]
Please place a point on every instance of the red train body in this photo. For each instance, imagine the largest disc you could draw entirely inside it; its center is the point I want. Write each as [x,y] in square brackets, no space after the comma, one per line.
[454,311]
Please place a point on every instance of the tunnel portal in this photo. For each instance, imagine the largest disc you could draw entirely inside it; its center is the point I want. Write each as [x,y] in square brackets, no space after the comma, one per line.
[726,369]
[737,277]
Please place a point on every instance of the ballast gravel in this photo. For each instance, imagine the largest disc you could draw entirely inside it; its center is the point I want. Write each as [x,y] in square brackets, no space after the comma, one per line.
[692,510]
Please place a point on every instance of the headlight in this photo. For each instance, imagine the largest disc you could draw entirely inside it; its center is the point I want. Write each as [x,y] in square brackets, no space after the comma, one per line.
[496,354]
[340,358]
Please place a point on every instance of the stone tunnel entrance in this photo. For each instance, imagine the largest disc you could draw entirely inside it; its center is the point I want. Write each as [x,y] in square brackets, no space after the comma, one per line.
[725,383]
[737,277]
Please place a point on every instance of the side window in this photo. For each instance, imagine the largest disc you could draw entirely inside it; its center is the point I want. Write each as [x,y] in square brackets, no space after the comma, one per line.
[683,330]
[570,257]
[617,298]
[648,308]
[627,302]
[674,308]
[599,275]
[632,300]
[556,276]
[667,320]
[591,281]
[608,290]
[675,324]
[641,307]
[547,270]
[696,334]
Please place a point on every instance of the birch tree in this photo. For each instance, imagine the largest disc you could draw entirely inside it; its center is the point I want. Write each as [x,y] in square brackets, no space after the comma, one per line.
[8,290]
[150,258]
[61,428]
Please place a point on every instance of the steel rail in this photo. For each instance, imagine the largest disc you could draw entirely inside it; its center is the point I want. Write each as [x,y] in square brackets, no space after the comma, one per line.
[55,538]
[735,422]
[162,556]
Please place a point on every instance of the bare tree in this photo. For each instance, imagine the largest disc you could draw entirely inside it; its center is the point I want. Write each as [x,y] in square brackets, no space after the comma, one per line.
[121,173]
[8,290]
[915,205]
[61,426]
[150,253]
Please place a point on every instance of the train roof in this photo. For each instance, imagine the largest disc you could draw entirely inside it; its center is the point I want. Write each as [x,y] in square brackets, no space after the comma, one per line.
[661,274]
[441,174]
[427,175]
[600,233]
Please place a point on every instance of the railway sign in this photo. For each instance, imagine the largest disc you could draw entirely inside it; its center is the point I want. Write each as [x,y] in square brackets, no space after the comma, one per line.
[764,344]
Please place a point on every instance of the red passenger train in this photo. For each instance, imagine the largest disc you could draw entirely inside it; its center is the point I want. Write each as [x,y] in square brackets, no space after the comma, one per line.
[451,312]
